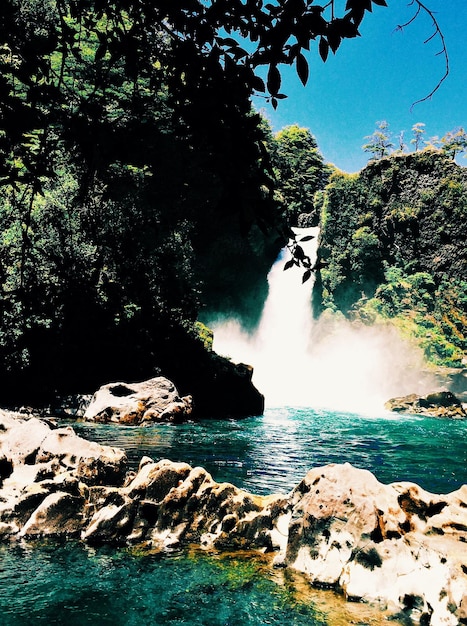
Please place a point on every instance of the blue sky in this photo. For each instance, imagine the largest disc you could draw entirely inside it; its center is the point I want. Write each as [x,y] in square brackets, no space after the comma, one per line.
[378,76]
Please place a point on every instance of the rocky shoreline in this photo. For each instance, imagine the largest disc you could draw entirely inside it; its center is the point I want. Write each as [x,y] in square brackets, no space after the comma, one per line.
[439,404]
[396,545]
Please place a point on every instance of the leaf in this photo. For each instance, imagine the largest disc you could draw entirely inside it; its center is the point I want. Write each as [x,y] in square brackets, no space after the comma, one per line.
[381,3]
[306,276]
[227,41]
[323,48]
[307,238]
[274,80]
[302,68]
[298,252]
[289,264]
[258,84]
[334,40]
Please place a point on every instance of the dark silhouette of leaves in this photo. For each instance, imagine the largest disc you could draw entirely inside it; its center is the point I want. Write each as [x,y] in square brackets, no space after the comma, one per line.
[302,68]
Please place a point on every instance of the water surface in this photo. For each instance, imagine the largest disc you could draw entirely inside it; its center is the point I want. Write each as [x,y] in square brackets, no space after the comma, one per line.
[272,453]
[75,585]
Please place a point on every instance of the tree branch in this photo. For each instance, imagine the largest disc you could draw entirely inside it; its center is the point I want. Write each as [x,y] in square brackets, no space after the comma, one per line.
[436,33]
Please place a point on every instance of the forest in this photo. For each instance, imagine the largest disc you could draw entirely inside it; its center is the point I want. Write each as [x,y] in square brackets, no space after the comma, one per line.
[140,188]
[118,190]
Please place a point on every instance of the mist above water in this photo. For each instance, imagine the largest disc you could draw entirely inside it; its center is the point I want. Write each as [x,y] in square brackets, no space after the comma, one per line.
[300,361]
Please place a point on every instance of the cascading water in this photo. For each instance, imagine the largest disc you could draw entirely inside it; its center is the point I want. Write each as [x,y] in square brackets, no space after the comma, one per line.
[278,349]
[299,361]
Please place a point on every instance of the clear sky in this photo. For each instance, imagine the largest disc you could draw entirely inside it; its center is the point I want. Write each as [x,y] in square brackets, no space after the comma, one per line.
[378,76]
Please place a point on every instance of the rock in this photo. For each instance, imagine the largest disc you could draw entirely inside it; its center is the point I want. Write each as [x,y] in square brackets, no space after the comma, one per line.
[58,514]
[220,388]
[178,503]
[93,463]
[438,404]
[45,472]
[154,400]
[112,522]
[397,544]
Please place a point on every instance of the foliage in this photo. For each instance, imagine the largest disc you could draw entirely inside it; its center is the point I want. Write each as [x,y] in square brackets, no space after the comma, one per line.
[454,142]
[85,285]
[203,46]
[300,171]
[393,244]
[434,317]
[379,143]
[418,131]
[109,210]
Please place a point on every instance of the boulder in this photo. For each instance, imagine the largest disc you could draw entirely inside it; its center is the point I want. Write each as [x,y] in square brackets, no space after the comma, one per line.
[438,404]
[45,472]
[59,514]
[394,544]
[178,503]
[154,400]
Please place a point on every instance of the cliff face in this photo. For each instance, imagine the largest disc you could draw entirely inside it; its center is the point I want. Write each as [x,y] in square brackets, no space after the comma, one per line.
[420,216]
[393,237]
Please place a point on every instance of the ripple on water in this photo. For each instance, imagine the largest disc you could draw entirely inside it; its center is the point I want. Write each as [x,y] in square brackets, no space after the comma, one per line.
[273,452]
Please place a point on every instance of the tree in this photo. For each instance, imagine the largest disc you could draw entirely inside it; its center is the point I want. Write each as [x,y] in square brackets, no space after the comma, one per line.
[379,143]
[418,131]
[300,170]
[401,142]
[454,142]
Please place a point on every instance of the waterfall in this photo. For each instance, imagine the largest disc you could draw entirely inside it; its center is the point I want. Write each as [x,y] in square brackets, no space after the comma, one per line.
[299,361]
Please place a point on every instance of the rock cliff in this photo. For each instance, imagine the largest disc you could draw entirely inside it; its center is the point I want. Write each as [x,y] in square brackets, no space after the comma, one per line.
[393,249]
[438,404]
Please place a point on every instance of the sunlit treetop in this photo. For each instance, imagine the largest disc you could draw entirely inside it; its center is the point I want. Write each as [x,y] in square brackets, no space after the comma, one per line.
[233,45]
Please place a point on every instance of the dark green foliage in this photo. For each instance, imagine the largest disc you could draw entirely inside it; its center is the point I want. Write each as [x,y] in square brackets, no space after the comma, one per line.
[104,253]
[300,172]
[394,240]
[128,43]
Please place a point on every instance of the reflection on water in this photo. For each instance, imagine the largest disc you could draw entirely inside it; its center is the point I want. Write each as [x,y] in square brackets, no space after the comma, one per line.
[273,452]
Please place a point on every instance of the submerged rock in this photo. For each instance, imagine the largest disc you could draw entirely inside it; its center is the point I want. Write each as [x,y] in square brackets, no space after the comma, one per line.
[154,400]
[396,544]
[438,404]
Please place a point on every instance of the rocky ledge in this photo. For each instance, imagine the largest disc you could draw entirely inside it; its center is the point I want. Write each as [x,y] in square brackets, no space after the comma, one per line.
[438,404]
[393,544]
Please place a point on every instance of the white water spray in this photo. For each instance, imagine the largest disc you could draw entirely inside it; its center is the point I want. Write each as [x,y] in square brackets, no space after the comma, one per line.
[299,361]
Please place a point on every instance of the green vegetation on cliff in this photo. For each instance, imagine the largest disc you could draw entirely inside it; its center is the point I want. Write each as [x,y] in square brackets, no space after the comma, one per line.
[393,238]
